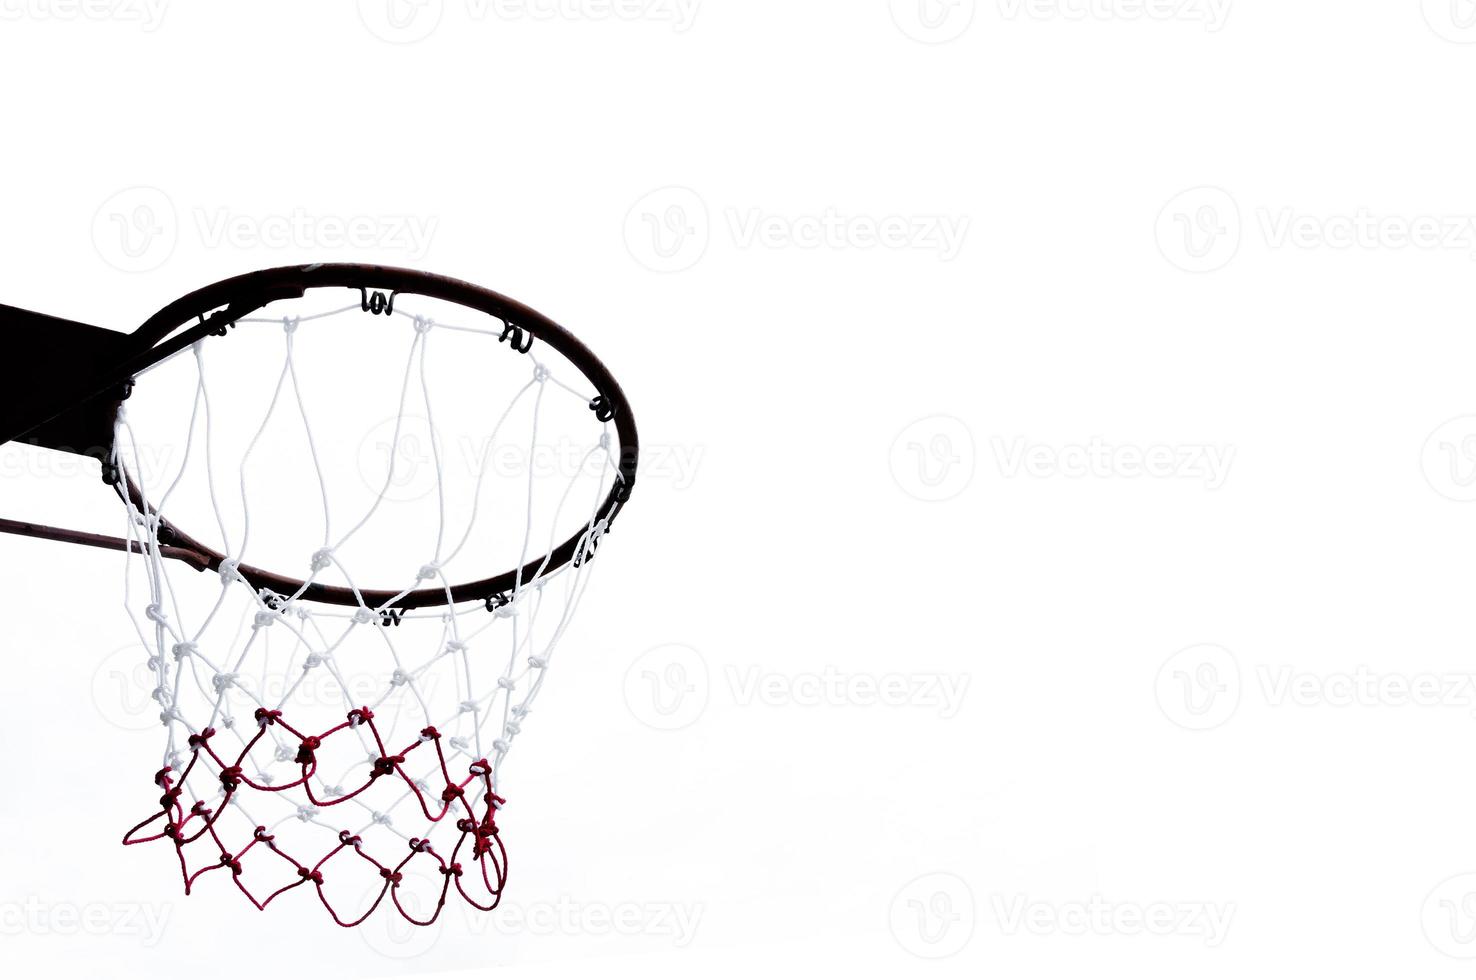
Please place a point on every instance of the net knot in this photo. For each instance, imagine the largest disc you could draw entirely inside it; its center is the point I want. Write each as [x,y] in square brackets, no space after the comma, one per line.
[230,777]
[468,706]
[456,646]
[316,877]
[393,877]
[480,768]
[538,663]
[305,751]
[501,746]
[349,840]
[429,734]
[312,660]
[506,683]
[452,792]
[265,619]
[290,324]
[399,678]
[265,717]
[307,814]
[155,614]
[262,837]
[358,716]
[227,861]
[423,325]
[223,681]
[198,741]
[230,571]
[183,650]
[161,778]
[322,558]
[433,570]
[383,819]
[171,796]
[541,373]
[513,728]
[385,765]
[200,809]
[452,870]
[364,616]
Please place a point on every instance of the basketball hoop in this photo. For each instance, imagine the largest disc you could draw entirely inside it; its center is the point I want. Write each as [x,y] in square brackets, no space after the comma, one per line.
[379,511]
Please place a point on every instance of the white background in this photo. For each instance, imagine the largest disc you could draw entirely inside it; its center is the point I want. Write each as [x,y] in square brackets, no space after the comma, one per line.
[1201,579]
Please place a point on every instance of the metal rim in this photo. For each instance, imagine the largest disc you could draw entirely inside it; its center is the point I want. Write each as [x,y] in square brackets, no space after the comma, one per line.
[213,311]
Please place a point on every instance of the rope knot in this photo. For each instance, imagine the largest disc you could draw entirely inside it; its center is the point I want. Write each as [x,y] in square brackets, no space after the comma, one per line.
[262,837]
[385,765]
[453,870]
[348,840]
[265,717]
[198,741]
[393,877]
[230,777]
[183,650]
[433,570]
[230,571]
[429,734]
[316,877]
[305,751]
[452,792]
[360,715]
[290,324]
[227,861]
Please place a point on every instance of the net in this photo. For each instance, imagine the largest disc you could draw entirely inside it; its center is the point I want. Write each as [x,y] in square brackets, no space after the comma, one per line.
[347,737]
